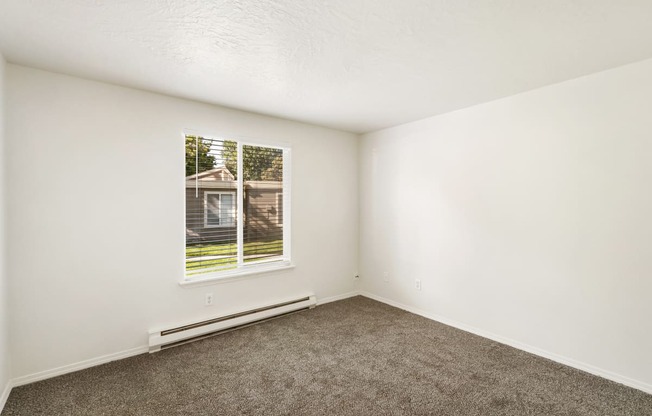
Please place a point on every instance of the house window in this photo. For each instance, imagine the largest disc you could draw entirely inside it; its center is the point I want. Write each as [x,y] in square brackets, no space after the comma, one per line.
[219,209]
[236,201]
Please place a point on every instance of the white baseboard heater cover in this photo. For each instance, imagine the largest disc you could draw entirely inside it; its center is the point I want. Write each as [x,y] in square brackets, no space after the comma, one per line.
[182,334]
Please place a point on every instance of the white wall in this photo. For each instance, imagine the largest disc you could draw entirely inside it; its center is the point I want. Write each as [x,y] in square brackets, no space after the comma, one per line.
[527,218]
[4,312]
[95,197]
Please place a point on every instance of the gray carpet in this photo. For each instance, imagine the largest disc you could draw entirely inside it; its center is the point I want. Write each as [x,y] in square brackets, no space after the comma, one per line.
[353,357]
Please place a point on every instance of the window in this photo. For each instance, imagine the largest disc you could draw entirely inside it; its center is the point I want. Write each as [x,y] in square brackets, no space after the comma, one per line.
[236,200]
[219,209]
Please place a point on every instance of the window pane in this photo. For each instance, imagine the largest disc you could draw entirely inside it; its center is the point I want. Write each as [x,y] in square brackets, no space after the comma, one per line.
[227,210]
[263,183]
[212,209]
[211,236]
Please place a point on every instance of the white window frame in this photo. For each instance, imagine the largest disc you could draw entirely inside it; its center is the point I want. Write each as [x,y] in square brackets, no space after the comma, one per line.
[245,270]
[219,209]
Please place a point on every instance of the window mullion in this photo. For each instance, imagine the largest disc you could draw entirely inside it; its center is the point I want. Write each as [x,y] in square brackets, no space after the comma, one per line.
[239,205]
[287,206]
[219,210]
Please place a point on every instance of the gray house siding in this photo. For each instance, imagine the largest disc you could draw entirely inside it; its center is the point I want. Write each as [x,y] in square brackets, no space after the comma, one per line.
[262,211]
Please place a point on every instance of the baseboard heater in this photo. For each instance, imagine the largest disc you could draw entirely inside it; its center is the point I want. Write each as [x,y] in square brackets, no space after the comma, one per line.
[193,331]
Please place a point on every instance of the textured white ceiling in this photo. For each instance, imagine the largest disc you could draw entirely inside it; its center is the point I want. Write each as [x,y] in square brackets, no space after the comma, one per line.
[356,65]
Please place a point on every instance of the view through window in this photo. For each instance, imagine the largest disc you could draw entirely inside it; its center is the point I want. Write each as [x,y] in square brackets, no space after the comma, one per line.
[234,204]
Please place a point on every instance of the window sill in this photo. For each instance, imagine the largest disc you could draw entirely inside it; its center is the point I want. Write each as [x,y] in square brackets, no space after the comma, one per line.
[230,276]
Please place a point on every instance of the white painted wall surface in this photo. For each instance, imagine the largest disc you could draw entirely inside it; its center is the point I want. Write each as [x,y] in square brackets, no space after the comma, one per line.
[527,218]
[4,312]
[95,197]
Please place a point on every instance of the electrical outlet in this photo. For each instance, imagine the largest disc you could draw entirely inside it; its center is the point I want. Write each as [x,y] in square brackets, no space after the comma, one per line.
[417,284]
[209,299]
[386,276]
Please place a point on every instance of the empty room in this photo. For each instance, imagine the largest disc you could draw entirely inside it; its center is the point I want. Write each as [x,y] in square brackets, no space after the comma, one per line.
[302,207]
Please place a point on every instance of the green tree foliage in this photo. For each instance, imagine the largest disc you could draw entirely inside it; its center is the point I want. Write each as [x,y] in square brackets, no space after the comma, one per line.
[198,150]
[259,163]
[275,170]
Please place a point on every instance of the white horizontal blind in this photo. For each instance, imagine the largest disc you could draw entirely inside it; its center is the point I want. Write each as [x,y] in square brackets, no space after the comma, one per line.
[217,238]
[211,188]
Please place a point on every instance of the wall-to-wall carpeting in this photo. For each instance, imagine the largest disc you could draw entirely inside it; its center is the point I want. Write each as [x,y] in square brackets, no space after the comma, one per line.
[352,357]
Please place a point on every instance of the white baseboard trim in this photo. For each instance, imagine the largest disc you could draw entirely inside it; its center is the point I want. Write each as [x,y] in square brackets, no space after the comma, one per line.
[70,368]
[31,378]
[5,394]
[337,297]
[645,387]
[43,375]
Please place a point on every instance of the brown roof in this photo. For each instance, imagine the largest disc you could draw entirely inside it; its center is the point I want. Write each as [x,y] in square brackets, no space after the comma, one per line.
[218,174]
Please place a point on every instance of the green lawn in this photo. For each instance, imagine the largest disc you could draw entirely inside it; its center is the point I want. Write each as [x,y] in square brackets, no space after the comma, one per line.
[251,251]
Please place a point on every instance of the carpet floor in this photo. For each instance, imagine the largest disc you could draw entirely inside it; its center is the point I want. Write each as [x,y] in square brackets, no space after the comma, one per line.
[352,357]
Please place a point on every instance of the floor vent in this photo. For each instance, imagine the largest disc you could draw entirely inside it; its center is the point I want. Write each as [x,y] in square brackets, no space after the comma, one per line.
[172,337]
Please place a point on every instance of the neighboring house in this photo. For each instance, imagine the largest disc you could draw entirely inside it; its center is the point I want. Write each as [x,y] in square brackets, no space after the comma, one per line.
[211,209]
